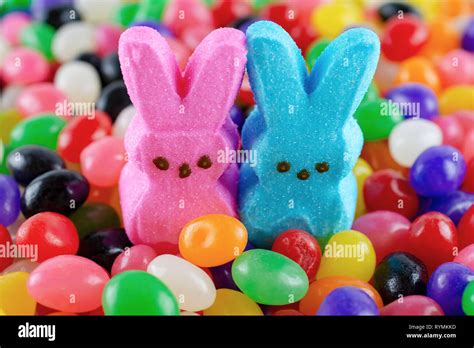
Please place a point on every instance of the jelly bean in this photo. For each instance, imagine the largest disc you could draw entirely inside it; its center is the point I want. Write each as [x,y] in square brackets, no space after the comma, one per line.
[14,296]
[395,9]
[420,70]
[107,38]
[467,41]
[453,132]
[123,120]
[466,256]
[222,276]
[161,28]
[5,241]
[447,284]
[329,20]
[97,11]
[102,161]
[348,300]
[389,190]
[59,15]
[377,155]
[12,25]
[40,130]
[40,98]
[457,98]
[58,280]
[23,265]
[231,302]
[466,228]
[138,257]
[30,161]
[103,246]
[24,66]
[270,278]
[403,37]
[301,247]
[110,68]
[319,289]
[114,99]
[126,13]
[92,59]
[39,8]
[468,299]
[51,233]
[414,100]
[287,312]
[212,240]
[192,287]
[412,305]
[138,293]
[79,81]
[152,10]
[372,94]
[94,216]
[39,36]
[454,205]
[315,50]
[386,73]
[456,68]
[9,200]
[388,231]
[433,239]
[72,39]
[224,12]
[400,274]
[362,171]
[377,119]
[411,137]
[60,191]
[348,253]
[80,132]
[9,96]
[444,37]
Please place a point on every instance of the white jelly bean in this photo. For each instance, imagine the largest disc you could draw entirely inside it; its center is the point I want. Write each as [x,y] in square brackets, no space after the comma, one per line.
[97,11]
[79,81]
[73,39]
[123,120]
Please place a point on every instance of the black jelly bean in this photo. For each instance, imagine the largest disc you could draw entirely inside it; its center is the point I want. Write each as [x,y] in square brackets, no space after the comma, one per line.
[110,68]
[114,98]
[57,16]
[394,9]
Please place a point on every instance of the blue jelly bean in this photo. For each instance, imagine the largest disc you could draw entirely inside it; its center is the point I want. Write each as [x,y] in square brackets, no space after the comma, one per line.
[447,284]
[454,204]
[9,200]
[438,171]
[348,300]
[468,36]
[414,100]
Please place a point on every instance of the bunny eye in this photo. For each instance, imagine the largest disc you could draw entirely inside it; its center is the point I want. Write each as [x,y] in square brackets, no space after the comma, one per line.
[184,171]
[322,167]
[204,162]
[303,174]
[161,163]
[283,166]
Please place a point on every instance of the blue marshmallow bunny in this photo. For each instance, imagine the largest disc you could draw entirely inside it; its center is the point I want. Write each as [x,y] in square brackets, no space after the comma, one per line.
[303,133]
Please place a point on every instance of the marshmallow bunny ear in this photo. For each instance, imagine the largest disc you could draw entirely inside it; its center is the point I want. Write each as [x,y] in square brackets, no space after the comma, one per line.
[343,72]
[277,70]
[151,75]
[213,77]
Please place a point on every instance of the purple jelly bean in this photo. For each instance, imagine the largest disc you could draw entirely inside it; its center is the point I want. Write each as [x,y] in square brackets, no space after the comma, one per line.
[348,300]
[237,116]
[454,204]
[9,200]
[447,284]
[467,41]
[40,7]
[414,100]
[438,171]
[161,28]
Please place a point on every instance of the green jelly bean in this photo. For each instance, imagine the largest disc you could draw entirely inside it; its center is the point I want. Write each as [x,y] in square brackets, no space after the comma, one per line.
[39,36]
[269,278]
[40,130]
[468,299]
[209,3]
[126,14]
[259,4]
[4,151]
[371,94]
[8,120]
[138,293]
[14,5]
[151,10]
[315,51]
[94,216]
[377,119]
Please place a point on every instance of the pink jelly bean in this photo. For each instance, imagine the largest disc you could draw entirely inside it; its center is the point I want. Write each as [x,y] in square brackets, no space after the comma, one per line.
[466,256]
[457,68]
[468,149]
[12,25]
[24,66]
[107,38]
[68,283]
[453,132]
[388,231]
[466,119]
[136,258]
[412,305]
[103,160]
[41,98]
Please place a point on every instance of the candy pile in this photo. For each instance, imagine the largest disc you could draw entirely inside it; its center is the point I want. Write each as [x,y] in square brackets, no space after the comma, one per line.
[64,111]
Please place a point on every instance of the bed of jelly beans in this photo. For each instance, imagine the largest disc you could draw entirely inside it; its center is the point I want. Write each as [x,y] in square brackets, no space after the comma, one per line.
[413,232]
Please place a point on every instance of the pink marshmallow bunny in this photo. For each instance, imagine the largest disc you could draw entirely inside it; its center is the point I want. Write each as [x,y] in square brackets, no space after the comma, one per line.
[174,143]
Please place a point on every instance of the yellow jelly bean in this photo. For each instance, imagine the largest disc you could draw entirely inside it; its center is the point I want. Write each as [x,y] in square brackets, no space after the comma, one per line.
[2,312]
[362,170]
[457,98]
[231,302]
[14,296]
[330,20]
[428,8]
[348,253]
[8,120]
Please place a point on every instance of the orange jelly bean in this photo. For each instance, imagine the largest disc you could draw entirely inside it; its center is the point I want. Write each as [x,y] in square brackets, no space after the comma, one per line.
[421,70]
[377,154]
[212,240]
[319,289]
[443,38]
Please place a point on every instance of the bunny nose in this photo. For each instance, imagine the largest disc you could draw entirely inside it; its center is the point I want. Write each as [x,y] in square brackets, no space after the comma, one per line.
[184,171]
[303,174]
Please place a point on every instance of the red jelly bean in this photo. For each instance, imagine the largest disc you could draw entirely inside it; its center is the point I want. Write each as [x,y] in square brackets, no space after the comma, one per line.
[412,305]
[225,12]
[301,247]
[466,228]
[80,132]
[468,184]
[390,190]
[53,234]
[41,98]
[403,38]
[287,312]
[5,241]
[433,239]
